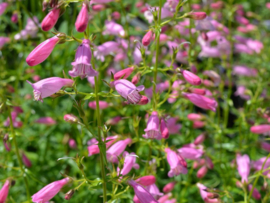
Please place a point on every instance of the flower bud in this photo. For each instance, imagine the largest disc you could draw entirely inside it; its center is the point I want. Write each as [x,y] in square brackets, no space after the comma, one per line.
[136,78]
[147,38]
[70,118]
[69,194]
[197,15]
[202,172]
[191,78]
[123,73]
[50,19]
[143,101]
[82,19]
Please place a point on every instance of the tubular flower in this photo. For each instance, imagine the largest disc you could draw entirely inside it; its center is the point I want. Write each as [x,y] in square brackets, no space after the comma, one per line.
[82,19]
[114,152]
[47,87]
[142,194]
[42,51]
[50,19]
[4,191]
[129,163]
[152,130]
[243,167]
[146,180]
[128,90]
[259,129]
[201,101]
[177,163]
[49,191]
[82,65]
[191,78]
[123,73]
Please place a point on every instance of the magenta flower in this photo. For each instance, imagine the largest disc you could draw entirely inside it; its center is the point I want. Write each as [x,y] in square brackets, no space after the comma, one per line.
[26,161]
[4,191]
[105,49]
[243,167]
[42,51]
[201,101]
[173,126]
[202,172]
[50,19]
[47,87]
[70,118]
[169,187]
[177,164]
[3,41]
[14,18]
[46,121]
[194,117]
[102,105]
[191,78]
[244,71]
[3,7]
[142,194]
[93,148]
[205,194]
[265,146]
[199,139]
[128,90]
[123,73]
[260,129]
[197,15]
[49,191]
[116,150]
[112,28]
[6,142]
[154,191]
[164,129]
[188,152]
[146,180]
[129,163]
[114,120]
[82,65]
[152,130]
[72,144]
[82,19]
[255,194]
[148,37]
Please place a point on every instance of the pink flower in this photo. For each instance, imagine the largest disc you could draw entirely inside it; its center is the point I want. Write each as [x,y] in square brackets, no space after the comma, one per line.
[142,194]
[194,117]
[267,5]
[255,194]
[6,142]
[26,161]
[191,78]
[204,194]
[260,129]
[177,164]
[244,71]
[102,105]
[190,153]
[3,7]
[173,126]
[3,41]
[4,191]
[70,118]
[82,19]
[199,139]
[197,15]
[128,90]
[123,73]
[49,191]
[46,121]
[116,150]
[147,38]
[129,163]
[144,100]
[47,87]
[202,172]
[164,129]
[42,51]
[50,19]
[72,144]
[169,187]
[152,130]
[146,180]
[114,121]
[136,78]
[82,65]
[201,101]
[112,28]
[265,146]
[105,49]
[154,191]
[14,18]
[94,149]
[243,167]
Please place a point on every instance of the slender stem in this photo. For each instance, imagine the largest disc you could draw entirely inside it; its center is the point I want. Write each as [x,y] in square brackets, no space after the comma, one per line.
[257,178]
[100,139]
[18,156]
[157,55]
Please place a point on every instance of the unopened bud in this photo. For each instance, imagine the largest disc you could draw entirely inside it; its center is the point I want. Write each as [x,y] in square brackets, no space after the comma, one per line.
[144,100]
[136,78]
[70,118]
[197,15]
[212,195]
[69,194]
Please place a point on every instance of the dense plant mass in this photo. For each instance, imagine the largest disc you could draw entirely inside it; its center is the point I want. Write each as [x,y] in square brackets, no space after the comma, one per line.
[158,101]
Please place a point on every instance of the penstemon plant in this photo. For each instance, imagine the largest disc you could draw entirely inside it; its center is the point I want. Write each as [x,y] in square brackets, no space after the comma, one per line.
[133,96]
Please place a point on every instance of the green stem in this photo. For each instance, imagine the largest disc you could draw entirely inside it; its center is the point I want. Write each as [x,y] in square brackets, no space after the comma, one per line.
[18,156]
[257,178]
[157,55]
[100,139]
